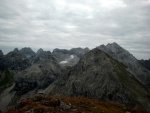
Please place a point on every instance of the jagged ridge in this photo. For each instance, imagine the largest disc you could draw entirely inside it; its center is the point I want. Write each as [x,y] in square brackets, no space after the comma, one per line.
[99,76]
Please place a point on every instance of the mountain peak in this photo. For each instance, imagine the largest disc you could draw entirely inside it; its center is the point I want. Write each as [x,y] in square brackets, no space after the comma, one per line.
[97,75]
[114,50]
[122,55]
[1,53]
[16,50]
[64,51]
[114,45]
[27,51]
[40,51]
[80,52]
[42,55]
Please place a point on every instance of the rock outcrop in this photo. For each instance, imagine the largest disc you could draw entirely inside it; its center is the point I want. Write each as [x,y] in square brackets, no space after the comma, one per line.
[42,55]
[41,74]
[69,57]
[145,63]
[42,71]
[92,74]
[15,60]
[28,52]
[129,60]
[80,52]
[1,53]
[97,75]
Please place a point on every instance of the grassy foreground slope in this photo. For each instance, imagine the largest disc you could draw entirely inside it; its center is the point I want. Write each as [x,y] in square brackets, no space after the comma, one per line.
[41,104]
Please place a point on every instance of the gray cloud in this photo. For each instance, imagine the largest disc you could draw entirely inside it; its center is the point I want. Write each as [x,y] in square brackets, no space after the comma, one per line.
[50,24]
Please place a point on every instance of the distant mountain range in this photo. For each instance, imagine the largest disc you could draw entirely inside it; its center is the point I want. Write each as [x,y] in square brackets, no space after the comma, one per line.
[107,73]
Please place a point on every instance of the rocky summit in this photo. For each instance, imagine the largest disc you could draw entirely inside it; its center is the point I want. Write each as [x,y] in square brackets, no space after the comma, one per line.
[28,52]
[1,53]
[38,76]
[145,63]
[107,73]
[97,75]
[122,55]
[15,60]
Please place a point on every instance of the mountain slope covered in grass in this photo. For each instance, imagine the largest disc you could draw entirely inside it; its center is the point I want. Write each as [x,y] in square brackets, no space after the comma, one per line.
[41,104]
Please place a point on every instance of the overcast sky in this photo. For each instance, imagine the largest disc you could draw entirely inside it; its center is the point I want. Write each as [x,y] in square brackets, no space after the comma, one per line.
[50,24]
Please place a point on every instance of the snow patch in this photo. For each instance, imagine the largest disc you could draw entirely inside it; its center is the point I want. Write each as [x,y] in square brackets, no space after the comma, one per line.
[71,56]
[63,62]
[67,61]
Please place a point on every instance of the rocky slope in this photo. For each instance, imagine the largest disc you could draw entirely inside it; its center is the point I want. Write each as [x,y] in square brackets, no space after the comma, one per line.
[145,63]
[80,52]
[69,57]
[28,52]
[99,76]
[129,60]
[1,53]
[15,60]
[42,73]
[2,67]
[92,74]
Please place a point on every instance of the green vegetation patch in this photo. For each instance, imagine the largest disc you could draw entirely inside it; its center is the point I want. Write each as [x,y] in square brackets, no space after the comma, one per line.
[7,79]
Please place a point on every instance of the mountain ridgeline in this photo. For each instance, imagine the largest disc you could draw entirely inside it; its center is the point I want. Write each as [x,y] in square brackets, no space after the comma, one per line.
[145,63]
[97,75]
[107,73]
[134,66]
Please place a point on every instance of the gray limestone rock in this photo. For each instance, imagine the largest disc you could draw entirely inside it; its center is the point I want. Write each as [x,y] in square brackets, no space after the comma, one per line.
[1,53]
[41,74]
[129,60]
[28,52]
[42,55]
[145,63]
[15,60]
[69,57]
[80,52]
[99,76]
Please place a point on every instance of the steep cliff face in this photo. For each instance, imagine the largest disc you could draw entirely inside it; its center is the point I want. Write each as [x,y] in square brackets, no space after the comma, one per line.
[96,75]
[15,60]
[145,63]
[129,60]
[42,73]
[1,53]
[99,76]
[2,67]
[28,52]
[80,52]
[38,76]
[42,55]
[69,57]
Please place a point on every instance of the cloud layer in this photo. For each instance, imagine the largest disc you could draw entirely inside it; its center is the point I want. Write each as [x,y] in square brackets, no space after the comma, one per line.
[50,24]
